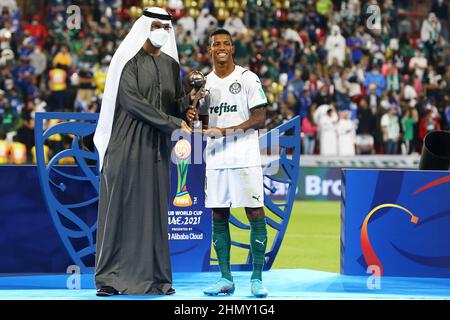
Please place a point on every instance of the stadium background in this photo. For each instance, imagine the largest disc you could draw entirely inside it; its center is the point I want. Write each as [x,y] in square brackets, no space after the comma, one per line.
[363,73]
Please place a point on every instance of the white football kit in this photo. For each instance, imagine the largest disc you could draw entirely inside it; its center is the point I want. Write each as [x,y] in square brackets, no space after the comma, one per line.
[233,163]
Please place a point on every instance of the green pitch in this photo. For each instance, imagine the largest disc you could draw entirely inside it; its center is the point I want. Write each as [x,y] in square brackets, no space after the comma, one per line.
[312,240]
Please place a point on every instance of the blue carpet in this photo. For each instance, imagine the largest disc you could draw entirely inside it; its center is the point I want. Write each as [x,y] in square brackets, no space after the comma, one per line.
[295,284]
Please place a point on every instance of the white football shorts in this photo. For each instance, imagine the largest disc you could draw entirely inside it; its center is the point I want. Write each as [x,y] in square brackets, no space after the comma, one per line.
[234,188]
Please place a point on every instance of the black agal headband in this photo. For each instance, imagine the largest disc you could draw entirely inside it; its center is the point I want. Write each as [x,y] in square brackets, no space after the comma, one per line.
[159,16]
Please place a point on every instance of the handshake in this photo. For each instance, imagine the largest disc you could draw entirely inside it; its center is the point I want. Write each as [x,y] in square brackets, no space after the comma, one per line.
[193,125]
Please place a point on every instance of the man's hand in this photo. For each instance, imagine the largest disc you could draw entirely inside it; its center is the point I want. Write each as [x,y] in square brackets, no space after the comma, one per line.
[186,128]
[191,114]
[214,132]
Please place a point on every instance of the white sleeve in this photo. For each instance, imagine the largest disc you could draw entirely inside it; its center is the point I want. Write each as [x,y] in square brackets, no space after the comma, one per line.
[255,93]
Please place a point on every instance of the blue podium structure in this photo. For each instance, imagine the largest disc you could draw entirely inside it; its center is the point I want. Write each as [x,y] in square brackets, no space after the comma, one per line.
[76,233]
[395,223]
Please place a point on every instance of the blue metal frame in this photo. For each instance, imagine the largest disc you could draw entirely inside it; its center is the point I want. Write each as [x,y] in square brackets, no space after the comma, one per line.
[85,125]
[290,167]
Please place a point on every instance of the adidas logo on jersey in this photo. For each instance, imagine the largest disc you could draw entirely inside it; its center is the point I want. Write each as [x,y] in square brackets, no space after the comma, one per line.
[223,108]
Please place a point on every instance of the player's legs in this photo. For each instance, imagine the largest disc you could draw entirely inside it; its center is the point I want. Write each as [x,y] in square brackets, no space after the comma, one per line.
[222,245]
[258,239]
[246,190]
[222,240]
[258,245]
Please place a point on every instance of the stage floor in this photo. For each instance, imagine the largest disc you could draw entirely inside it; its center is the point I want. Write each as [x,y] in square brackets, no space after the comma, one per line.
[294,284]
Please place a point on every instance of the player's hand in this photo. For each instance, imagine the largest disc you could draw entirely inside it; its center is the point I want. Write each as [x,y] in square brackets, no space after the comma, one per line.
[186,128]
[214,132]
[191,114]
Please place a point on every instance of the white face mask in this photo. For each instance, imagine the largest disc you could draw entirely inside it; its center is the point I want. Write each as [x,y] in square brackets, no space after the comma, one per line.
[158,37]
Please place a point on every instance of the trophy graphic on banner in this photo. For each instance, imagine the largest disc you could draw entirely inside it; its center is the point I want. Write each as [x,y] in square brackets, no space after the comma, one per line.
[196,80]
[182,152]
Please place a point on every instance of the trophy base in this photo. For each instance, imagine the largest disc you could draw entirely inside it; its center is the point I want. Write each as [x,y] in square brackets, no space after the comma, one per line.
[197,127]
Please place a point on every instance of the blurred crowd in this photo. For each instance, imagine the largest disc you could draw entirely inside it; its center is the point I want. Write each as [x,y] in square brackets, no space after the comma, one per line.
[363,81]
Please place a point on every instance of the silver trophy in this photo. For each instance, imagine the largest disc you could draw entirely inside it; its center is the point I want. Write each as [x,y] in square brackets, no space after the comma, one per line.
[197,81]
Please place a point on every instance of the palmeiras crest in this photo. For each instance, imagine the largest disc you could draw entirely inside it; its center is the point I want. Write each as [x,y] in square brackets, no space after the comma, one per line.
[235,88]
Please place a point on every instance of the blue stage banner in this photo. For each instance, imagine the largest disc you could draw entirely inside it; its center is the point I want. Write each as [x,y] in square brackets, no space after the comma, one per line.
[395,223]
[49,212]
[29,241]
[190,223]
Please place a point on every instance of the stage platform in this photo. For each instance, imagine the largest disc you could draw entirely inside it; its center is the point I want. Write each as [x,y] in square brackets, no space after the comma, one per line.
[293,284]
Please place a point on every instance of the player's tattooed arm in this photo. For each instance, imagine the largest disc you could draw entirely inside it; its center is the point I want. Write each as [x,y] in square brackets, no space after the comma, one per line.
[256,121]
